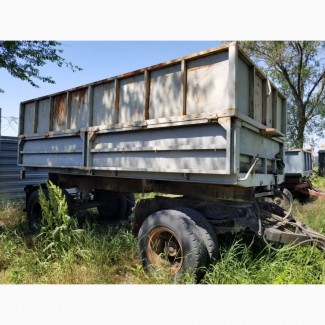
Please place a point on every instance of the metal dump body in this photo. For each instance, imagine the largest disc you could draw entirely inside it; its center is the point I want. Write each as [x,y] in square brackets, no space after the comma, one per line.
[321,163]
[298,162]
[201,118]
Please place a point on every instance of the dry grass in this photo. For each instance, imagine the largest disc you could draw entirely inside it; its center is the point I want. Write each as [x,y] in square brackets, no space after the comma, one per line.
[108,254]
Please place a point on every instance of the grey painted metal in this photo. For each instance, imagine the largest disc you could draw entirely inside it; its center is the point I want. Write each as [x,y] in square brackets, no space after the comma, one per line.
[204,117]
[321,163]
[11,186]
[298,162]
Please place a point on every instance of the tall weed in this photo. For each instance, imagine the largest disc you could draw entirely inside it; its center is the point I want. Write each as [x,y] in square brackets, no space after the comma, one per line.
[59,232]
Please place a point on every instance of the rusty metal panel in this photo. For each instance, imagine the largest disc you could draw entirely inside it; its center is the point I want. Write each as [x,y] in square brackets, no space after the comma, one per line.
[29,117]
[11,186]
[154,123]
[165,92]
[207,90]
[132,99]
[60,112]
[79,109]
[103,103]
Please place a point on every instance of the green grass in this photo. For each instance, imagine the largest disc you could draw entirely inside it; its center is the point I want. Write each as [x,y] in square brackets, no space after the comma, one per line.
[317,180]
[108,254]
[240,263]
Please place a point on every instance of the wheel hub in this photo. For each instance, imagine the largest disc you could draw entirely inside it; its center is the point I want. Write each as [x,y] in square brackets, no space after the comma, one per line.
[164,250]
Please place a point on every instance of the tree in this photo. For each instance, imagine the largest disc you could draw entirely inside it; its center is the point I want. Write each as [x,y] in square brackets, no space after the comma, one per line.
[22,59]
[297,68]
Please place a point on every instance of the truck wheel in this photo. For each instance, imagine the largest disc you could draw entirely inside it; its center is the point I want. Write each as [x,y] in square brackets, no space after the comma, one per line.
[168,241]
[205,232]
[113,205]
[283,198]
[34,211]
[130,204]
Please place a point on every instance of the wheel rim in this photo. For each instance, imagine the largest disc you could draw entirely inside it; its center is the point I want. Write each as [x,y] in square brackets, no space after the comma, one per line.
[164,250]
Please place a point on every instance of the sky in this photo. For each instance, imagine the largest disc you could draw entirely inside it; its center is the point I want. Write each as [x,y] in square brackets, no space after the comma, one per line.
[98,60]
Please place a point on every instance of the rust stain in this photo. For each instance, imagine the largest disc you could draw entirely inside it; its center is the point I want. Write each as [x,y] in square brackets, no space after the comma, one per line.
[79,97]
[60,110]
[205,66]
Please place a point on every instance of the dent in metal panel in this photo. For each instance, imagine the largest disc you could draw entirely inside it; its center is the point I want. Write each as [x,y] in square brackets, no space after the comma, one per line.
[103,105]
[165,92]
[242,87]
[207,84]
[29,117]
[258,99]
[132,99]
[60,112]
[79,109]
[43,116]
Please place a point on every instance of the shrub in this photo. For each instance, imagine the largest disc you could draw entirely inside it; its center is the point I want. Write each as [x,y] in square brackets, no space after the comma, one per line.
[59,232]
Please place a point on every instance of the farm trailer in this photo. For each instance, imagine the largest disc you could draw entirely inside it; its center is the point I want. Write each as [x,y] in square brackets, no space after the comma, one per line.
[208,127]
[298,169]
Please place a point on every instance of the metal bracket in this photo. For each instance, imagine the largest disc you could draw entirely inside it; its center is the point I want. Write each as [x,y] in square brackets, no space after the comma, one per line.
[250,170]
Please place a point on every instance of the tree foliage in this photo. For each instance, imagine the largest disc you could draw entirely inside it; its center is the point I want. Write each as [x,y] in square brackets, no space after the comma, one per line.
[297,67]
[22,59]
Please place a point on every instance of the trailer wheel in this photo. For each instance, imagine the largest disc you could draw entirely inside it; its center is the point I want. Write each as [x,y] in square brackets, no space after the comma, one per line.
[168,241]
[113,206]
[34,211]
[283,199]
[205,231]
[130,204]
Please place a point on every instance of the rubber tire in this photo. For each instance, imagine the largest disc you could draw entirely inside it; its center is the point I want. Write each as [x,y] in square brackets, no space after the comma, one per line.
[34,212]
[284,198]
[70,202]
[205,232]
[194,252]
[130,203]
[113,209]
